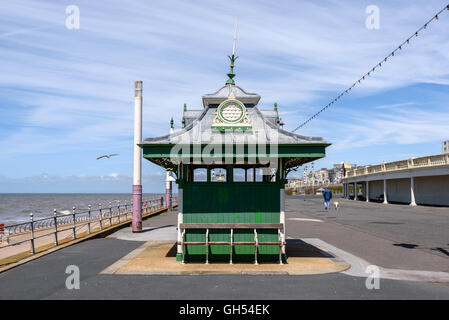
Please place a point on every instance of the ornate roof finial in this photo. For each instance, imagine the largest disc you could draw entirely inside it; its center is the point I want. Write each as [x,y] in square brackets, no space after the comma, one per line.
[231,73]
[278,120]
[183,123]
[172,126]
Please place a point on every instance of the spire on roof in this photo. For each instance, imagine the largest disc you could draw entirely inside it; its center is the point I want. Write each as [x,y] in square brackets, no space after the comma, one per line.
[183,123]
[172,126]
[231,73]
[278,121]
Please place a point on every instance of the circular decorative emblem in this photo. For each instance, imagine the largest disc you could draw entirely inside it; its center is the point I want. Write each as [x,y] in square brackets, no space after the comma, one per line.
[231,111]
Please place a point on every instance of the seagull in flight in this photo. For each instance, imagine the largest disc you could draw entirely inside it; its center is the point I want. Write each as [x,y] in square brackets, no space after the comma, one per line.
[107,156]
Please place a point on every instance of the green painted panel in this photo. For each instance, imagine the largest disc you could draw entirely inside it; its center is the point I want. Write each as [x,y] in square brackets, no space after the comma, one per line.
[236,197]
[231,203]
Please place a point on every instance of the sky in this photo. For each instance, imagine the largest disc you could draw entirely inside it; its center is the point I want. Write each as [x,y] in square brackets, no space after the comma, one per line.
[66,95]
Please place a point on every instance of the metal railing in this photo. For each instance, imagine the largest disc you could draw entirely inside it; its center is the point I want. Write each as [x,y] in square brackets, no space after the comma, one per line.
[428,161]
[310,184]
[99,218]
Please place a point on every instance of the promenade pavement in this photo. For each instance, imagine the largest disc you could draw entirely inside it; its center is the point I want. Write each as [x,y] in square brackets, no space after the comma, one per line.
[388,235]
[44,278]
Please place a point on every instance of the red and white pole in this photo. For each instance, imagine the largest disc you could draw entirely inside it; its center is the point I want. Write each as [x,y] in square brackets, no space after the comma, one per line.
[167,189]
[137,168]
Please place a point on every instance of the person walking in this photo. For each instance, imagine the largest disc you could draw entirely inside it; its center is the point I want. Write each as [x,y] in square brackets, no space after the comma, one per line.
[327,195]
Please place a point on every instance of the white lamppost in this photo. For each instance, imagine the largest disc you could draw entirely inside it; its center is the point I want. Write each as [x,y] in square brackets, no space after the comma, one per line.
[137,168]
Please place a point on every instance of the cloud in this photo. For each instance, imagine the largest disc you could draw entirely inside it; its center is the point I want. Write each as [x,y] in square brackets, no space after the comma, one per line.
[401,127]
[395,105]
[71,91]
[80,183]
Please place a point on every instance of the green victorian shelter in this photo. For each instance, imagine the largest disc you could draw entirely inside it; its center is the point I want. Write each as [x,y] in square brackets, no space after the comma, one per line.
[231,160]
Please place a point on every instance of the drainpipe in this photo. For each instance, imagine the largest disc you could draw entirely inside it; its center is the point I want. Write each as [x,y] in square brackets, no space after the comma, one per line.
[137,168]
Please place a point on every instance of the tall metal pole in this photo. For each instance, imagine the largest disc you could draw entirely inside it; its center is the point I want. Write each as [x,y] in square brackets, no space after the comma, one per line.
[137,172]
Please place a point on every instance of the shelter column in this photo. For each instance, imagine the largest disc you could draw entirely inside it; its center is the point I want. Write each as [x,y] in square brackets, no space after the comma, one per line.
[180,216]
[282,206]
[355,190]
[385,191]
[412,191]
[367,191]
[137,169]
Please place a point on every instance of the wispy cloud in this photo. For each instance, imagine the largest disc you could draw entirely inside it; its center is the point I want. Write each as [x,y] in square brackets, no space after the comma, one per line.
[79,183]
[395,105]
[381,131]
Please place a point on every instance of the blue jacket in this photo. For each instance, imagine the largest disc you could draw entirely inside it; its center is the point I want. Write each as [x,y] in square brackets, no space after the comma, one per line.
[327,194]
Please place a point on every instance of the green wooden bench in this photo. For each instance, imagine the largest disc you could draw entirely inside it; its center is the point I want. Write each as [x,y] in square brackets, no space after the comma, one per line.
[231,226]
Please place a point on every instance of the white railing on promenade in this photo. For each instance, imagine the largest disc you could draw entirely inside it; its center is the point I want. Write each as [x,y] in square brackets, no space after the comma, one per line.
[102,217]
[427,161]
[318,184]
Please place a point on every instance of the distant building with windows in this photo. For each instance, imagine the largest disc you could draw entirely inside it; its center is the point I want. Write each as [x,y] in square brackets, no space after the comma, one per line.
[336,173]
[445,146]
[322,177]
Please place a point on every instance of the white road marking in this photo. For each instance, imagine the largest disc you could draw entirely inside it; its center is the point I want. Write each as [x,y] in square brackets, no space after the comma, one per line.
[358,266]
[304,219]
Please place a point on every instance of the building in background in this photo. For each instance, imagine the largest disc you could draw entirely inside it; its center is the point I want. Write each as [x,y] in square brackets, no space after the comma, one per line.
[445,146]
[320,178]
[423,180]
[335,174]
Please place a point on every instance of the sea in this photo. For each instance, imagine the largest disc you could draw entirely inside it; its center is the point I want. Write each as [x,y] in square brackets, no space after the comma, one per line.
[16,207]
